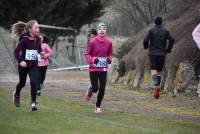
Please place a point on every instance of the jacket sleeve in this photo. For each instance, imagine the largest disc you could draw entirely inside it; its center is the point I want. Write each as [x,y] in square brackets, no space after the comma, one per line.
[88,55]
[196,36]
[171,42]
[48,52]
[17,51]
[146,40]
[110,54]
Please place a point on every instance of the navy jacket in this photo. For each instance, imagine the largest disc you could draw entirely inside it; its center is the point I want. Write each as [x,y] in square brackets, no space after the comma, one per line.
[159,41]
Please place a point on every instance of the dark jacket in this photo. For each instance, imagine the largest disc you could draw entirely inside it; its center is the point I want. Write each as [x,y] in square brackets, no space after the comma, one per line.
[26,42]
[156,40]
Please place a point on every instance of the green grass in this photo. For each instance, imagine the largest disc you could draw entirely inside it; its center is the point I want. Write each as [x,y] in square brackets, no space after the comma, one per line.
[63,117]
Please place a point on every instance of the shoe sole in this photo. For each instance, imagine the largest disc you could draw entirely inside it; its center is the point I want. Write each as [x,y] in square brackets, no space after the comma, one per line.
[97,112]
[34,109]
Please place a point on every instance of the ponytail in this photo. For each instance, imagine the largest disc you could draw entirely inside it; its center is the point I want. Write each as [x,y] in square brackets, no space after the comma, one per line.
[17,29]
[20,28]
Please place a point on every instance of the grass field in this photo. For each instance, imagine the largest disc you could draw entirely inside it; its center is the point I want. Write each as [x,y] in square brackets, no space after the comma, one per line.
[56,116]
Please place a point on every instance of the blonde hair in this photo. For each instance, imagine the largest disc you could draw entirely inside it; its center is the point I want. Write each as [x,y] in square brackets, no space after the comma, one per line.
[20,28]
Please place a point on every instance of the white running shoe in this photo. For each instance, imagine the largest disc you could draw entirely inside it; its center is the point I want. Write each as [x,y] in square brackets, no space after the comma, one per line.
[97,110]
[33,106]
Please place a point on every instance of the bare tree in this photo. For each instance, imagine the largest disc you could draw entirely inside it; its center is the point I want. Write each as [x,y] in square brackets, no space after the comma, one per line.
[140,13]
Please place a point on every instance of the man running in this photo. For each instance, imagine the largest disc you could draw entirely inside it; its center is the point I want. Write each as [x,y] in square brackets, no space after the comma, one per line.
[159,42]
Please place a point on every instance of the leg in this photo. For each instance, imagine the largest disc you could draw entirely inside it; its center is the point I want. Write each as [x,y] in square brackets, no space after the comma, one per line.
[94,85]
[160,65]
[94,81]
[43,74]
[22,79]
[38,86]
[33,74]
[102,81]
[155,69]
[20,85]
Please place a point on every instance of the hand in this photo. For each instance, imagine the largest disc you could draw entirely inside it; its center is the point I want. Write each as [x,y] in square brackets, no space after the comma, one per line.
[96,61]
[23,64]
[108,61]
[42,54]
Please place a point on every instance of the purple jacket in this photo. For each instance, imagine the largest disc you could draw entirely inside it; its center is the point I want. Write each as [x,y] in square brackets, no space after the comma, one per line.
[98,48]
[26,42]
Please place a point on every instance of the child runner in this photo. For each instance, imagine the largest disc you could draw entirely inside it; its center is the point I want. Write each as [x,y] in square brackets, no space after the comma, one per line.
[92,33]
[26,54]
[156,40]
[43,62]
[98,54]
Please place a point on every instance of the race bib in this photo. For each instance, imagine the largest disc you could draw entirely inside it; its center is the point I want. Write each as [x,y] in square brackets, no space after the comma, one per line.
[102,63]
[31,55]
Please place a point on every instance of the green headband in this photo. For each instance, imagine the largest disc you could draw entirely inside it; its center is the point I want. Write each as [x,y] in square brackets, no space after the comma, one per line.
[101,25]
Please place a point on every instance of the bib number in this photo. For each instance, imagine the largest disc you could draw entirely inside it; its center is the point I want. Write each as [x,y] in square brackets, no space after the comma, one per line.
[31,55]
[102,63]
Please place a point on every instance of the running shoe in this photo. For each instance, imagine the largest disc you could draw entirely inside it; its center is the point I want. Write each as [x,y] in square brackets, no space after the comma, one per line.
[157,92]
[88,94]
[33,106]
[16,99]
[97,110]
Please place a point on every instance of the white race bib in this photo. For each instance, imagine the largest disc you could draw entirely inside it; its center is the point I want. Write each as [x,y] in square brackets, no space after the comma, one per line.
[31,55]
[102,63]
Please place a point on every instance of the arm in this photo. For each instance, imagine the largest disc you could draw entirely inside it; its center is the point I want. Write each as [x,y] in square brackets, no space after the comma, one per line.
[146,41]
[110,54]
[171,42]
[17,51]
[88,55]
[48,52]
[196,36]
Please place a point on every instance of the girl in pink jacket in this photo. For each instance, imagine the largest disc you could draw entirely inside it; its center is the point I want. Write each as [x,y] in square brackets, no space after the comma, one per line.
[43,62]
[98,54]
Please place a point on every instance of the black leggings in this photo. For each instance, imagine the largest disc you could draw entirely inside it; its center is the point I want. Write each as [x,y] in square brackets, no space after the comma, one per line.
[33,75]
[42,73]
[98,82]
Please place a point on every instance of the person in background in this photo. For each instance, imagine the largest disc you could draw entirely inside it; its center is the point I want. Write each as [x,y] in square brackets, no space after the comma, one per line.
[43,62]
[159,42]
[196,38]
[92,33]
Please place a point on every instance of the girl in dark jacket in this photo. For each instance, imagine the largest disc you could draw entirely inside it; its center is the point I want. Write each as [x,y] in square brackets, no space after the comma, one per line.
[26,53]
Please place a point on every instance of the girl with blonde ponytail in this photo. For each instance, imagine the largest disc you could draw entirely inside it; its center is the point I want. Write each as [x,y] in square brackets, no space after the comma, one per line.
[18,29]
[26,53]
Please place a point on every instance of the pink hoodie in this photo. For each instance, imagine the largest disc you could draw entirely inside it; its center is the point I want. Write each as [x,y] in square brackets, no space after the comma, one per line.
[98,47]
[196,35]
[48,52]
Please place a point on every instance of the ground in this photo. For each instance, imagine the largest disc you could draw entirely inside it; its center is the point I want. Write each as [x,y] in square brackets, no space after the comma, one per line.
[70,86]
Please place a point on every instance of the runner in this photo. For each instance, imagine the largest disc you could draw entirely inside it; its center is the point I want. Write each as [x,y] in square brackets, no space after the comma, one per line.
[91,33]
[26,53]
[196,38]
[98,54]
[156,41]
[43,62]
